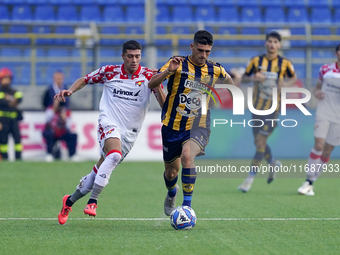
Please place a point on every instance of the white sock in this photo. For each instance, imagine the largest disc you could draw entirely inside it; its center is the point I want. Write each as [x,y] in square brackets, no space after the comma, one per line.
[112,159]
[86,183]
[323,161]
[313,160]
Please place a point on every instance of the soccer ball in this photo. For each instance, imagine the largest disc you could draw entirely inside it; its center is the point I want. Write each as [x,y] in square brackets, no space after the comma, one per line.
[183,217]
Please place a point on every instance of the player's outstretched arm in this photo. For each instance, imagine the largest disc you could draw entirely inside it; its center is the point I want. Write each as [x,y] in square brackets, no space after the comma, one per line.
[77,85]
[318,93]
[160,95]
[157,79]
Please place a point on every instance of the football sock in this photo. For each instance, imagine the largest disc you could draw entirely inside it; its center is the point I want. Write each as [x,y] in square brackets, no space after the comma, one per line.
[188,181]
[171,185]
[86,183]
[314,158]
[96,190]
[256,162]
[91,201]
[323,161]
[74,197]
[268,155]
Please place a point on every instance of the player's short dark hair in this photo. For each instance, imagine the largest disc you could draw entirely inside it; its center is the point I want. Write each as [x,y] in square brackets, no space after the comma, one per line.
[337,47]
[203,37]
[131,45]
[273,34]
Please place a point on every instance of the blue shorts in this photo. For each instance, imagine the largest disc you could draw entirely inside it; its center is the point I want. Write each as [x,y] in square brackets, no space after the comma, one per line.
[268,125]
[173,141]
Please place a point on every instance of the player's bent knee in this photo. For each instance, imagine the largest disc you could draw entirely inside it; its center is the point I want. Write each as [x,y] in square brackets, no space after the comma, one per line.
[112,159]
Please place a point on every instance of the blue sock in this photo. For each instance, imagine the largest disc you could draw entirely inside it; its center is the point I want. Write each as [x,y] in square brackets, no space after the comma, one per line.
[171,185]
[268,155]
[188,181]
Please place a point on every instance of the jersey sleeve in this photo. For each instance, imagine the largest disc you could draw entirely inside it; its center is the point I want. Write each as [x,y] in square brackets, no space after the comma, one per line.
[250,67]
[223,74]
[155,92]
[322,72]
[100,75]
[290,69]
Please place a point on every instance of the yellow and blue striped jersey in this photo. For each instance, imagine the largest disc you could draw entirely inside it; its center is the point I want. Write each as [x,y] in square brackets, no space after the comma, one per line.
[182,108]
[274,69]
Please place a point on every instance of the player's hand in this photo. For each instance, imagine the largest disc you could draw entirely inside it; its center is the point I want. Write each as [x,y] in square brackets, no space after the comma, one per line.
[174,64]
[62,94]
[319,94]
[260,77]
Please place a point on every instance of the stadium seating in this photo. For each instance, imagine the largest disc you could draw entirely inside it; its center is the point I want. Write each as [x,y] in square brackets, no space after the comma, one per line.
[224,2]
[37,2]
[318,3]
[321,53]
[295,53]
[67,13]
[90,13]
[201,2]
[113,14]
[227,14]
[44,12]
[321,31]
[226,31]
[19,29]
[22,12]
[298,31]
[14,2]
[248,3]
[162,42]
[84,2]
[337,15]
[42,30]
[163,13]
[136,30]
[251,14]
[300,70]
[294,3]
[182,14]
[4,14]
[297,15]
[64,30]
[10,51]
[111,42]
[269,3]
[321,15]
[274,15]
[60,2]
[135,13]
[205,14]
[182,30]
[251,31]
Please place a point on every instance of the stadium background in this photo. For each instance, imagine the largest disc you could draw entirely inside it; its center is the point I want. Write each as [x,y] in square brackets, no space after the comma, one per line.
[38,37]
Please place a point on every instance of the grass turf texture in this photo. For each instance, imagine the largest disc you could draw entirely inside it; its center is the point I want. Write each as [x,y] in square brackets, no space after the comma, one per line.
[136,190]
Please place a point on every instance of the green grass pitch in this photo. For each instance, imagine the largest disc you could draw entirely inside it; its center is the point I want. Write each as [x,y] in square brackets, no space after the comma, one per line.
[31,194]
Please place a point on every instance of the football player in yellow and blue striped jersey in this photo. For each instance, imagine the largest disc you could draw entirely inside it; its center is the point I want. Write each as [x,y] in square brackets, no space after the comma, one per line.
[185,131]
[267,71]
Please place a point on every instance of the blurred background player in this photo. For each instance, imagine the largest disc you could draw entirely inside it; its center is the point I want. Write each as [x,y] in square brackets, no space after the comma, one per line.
[10,115]
[327,122]
[49,106]
[58,128]
[266,71]
[185,131]
[57,85]
[125,100]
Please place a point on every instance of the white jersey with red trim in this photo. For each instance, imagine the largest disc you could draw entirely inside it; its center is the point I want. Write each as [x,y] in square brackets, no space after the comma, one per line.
[329,107]
[125,99]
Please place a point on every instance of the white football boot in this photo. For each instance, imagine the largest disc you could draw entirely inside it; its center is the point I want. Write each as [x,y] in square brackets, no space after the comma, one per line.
[170,202]
[306,189]
[245,186]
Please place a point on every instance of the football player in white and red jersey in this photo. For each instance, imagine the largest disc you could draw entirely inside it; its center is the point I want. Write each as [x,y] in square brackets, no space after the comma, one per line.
[327,122]
[123,105]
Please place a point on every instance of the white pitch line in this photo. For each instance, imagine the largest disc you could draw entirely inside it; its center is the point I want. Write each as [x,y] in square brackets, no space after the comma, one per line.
[164,219]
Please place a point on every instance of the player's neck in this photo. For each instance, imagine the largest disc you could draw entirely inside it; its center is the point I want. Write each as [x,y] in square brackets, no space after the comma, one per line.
[271,56]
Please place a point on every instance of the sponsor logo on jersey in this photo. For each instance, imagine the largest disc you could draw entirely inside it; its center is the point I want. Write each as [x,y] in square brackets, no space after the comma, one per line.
[110,131]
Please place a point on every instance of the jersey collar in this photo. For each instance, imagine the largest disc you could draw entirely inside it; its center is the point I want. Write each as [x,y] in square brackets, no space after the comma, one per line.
[134,74]
[189,59]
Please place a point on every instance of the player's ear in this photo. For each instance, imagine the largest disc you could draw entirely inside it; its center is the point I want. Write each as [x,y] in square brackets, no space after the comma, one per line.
[122,55]
[191,46]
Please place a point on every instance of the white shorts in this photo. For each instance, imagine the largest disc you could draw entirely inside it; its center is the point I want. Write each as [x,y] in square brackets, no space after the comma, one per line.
[106,131]
[327,130]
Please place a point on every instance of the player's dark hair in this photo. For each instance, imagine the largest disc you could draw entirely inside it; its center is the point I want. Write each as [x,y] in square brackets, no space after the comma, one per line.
[203,37]
[337,47]
[273,34]
[131,45]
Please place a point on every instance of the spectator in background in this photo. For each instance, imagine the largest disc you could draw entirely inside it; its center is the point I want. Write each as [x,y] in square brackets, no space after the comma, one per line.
[10,115]
[57,85]
[58,128]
